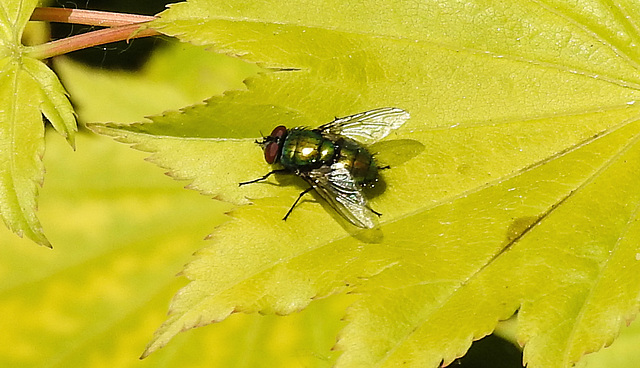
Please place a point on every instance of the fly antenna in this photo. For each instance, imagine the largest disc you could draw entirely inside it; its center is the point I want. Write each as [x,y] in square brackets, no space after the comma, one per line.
[263,138]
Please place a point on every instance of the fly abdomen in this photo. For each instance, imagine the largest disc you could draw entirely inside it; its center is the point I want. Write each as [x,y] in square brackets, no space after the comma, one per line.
[358,160]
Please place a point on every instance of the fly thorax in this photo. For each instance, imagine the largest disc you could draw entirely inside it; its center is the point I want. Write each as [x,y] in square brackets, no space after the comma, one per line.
[327,150]
[305,149]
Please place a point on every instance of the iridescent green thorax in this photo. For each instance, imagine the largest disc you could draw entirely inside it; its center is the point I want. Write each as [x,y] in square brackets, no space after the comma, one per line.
[305,149]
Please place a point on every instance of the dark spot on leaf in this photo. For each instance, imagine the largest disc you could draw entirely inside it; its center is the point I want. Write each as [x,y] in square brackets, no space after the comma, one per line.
[518,227]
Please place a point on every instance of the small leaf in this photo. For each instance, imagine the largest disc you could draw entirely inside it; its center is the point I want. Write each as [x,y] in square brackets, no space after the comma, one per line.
[55,105]
[28,89]
[524,198]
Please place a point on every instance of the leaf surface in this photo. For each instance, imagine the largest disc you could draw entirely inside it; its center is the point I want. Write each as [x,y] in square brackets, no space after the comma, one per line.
[523,198]
[28,90]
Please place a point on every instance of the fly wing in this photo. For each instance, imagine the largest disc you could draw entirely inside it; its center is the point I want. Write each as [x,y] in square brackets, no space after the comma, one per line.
[339,189]
[367,127]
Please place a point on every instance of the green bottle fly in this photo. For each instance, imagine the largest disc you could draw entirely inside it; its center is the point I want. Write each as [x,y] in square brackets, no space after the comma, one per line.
[334,160]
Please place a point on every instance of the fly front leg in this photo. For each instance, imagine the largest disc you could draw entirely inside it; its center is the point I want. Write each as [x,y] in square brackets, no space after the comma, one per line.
[281,171]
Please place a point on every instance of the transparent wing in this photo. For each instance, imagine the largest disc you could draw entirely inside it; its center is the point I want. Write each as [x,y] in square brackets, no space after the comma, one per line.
[339,189]
[367,127]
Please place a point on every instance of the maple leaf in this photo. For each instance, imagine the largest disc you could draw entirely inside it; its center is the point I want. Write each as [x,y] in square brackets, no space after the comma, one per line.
[28,90]
[523,199]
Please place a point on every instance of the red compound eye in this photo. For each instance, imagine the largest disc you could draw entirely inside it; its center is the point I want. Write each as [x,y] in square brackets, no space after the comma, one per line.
[279,132]
[272,149]
[271,152]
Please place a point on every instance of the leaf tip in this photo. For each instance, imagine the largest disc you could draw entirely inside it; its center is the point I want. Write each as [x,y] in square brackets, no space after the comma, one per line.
[46,244]
[36,235]
[71,139]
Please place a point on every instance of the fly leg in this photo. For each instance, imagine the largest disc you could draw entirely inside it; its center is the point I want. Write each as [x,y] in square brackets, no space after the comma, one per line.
[281,171]
[296,202]
[374,211]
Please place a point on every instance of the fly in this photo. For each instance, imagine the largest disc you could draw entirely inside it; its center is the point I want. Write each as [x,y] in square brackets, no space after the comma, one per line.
[333,159]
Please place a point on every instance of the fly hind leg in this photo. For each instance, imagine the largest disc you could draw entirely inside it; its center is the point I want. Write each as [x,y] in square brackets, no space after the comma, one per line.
[374,211]
[296,202]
